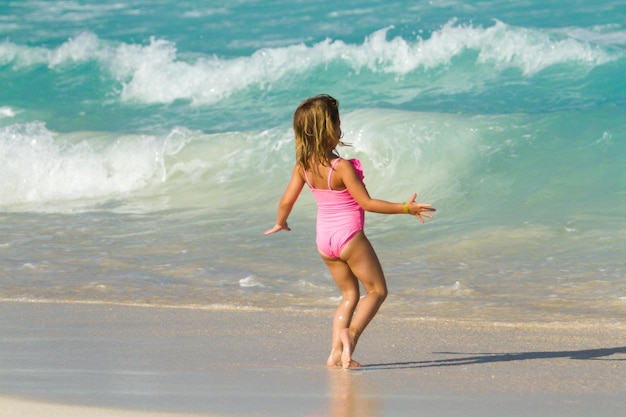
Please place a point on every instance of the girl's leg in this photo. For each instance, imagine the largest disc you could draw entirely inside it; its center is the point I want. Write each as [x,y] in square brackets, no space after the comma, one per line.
[349,287]
[361,260]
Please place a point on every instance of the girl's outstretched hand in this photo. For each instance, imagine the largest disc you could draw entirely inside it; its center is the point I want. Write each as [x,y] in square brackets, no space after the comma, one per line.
[277,228]
[419,209]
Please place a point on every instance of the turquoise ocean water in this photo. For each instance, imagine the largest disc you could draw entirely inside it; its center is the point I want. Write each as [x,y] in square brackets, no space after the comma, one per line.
[144,146]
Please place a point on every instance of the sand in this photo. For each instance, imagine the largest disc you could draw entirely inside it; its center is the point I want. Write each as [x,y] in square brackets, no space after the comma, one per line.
[94,360]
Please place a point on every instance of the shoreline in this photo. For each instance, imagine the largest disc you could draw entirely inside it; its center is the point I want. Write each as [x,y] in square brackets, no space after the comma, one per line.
[581,322]
[171,361]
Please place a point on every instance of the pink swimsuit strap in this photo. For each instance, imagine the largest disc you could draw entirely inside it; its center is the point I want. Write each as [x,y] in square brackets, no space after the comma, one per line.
[330,173]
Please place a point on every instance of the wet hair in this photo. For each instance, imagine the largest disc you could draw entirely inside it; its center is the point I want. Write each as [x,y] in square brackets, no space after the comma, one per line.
[316,127]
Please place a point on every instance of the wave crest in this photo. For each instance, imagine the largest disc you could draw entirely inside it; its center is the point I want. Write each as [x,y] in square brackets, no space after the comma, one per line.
[157,72]
[42,170]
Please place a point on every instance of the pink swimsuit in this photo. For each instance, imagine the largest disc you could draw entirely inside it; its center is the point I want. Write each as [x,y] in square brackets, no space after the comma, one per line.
[339,216]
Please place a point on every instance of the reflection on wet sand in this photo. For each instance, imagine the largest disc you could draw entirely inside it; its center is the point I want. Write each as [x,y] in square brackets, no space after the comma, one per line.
[349,397]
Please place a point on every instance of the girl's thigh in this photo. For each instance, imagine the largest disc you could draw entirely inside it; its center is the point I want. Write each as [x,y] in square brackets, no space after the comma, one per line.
[362,260]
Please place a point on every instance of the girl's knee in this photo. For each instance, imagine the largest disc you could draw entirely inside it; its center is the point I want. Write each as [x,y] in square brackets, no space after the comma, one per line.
[351,297]
[379,292]
[383,294]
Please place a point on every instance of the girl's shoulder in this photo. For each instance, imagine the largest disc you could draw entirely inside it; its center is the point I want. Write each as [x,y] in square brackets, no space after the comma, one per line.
[355,163]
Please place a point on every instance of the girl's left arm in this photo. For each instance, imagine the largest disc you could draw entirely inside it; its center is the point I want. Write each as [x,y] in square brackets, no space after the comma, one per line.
[358,191]
[287,201]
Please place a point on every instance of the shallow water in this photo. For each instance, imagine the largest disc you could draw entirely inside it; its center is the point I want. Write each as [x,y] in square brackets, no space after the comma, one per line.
[145,149]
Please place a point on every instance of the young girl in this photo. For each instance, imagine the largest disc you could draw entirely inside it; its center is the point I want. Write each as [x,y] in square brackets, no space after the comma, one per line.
[337,185]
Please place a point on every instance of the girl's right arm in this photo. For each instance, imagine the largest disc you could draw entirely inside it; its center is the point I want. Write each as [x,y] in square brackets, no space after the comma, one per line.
[287,201]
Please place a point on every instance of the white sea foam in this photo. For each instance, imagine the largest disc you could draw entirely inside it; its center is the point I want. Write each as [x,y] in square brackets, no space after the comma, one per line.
[49,171]
[250,281]
[40,168]
[157,72]
[6,111]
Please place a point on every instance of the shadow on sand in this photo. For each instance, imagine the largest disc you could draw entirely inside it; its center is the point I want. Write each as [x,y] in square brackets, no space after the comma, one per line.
[460,358]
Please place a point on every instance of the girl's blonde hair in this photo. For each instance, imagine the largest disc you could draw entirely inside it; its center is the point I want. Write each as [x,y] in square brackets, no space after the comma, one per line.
[317,129]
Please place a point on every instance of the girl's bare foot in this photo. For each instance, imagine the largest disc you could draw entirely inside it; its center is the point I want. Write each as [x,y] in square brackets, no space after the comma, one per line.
[334,361]
[354,364]
[346,354]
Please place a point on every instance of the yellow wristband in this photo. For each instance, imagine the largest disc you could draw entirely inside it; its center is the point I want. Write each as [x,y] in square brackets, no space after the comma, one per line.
[406,208]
